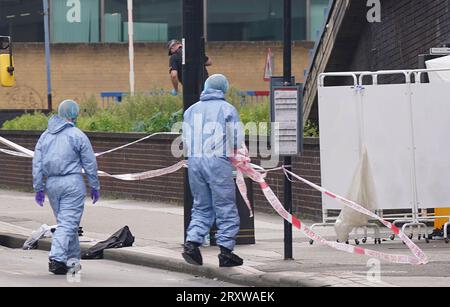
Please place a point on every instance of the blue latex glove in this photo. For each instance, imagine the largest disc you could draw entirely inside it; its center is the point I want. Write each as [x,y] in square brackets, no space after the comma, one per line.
[174,92]
[95,195]
[40,198]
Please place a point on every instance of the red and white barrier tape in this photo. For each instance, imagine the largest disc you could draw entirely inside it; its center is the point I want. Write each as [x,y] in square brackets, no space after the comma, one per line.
[135,142]
[147,175]
[26,152]
[242,163]
[29,154]
[14,153]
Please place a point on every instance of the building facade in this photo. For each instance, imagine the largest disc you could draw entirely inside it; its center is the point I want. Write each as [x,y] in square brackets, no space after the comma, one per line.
[95,21]
[89,52]
[351,42]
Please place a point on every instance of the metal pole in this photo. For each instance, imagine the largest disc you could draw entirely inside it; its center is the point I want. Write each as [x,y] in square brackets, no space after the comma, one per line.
[131,45]
[102,21]
[11,63]
[47,55]
[308,20]
[287,74]
[205,20]
[193,67]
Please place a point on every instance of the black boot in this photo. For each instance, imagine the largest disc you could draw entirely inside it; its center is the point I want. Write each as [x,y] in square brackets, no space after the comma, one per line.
[57,268]
[228,259]
[192,253]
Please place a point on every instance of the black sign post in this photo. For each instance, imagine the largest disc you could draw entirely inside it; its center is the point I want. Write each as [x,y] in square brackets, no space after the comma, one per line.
[287,74]
[193,69]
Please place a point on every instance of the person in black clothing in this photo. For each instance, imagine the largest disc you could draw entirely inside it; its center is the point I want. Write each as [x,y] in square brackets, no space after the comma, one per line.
[175,49]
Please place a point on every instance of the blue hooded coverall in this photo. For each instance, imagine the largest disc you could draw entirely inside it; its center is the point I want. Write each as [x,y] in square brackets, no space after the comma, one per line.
[61,154]
[211,176]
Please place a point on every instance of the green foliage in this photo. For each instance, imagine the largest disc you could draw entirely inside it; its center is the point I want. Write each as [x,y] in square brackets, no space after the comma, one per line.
[251,110]
[103,121]
[36,121]
[149,114]
[89,106]
[311,129]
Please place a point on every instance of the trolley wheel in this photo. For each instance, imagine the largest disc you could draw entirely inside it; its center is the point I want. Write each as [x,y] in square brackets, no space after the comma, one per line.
[411,236]
[379,241]
[419,237]
[356,241]
[311,242]
[347,242]
[447,240]
[427,240]
[392,237]
[364,240]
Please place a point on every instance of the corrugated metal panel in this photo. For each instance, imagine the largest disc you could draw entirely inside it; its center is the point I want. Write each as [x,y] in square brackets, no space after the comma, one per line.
[75,21]
[147,32]
[113,28]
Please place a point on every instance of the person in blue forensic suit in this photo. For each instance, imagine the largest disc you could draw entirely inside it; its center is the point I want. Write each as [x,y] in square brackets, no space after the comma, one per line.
[61,155]
[212,132]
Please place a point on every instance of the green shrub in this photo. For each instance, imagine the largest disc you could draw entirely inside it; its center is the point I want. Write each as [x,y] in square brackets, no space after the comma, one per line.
[149,114]
[89,106]
[36,121]
[311,129]
[104,121]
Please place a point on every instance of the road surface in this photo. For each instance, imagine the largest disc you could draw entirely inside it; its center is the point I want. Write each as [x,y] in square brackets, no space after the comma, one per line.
[30,269]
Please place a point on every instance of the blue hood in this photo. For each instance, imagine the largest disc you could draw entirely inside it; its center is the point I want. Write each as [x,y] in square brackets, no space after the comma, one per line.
[57,124]
[211,94]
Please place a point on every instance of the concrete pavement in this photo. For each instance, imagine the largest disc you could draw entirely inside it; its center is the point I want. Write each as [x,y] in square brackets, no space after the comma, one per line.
[29,269]
[159,231]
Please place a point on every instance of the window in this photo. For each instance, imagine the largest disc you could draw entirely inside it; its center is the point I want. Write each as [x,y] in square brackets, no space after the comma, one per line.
[22,19]
[253,20]
[92,21]
[75,21]
[319,10]
[154,20]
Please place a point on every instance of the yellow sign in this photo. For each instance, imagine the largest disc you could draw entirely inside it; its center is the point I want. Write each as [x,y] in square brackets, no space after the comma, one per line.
[438,223]
[6,78]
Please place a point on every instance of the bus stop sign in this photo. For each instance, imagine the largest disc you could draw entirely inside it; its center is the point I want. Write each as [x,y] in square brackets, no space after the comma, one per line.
[287,120]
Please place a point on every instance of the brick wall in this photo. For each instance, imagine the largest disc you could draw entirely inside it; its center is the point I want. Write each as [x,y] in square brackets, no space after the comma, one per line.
[408,28]
[154,154]
[82,70]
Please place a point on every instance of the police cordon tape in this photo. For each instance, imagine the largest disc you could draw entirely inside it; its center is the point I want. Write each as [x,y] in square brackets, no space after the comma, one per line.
[417,252]
[14,153]
[19,149]
[147,175]
[135,142]
[243,166]
[242,163]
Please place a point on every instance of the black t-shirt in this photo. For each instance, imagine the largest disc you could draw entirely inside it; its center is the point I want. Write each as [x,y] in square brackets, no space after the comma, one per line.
[176,63]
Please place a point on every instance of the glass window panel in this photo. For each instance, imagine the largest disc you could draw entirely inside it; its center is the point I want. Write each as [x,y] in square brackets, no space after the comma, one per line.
[75,21]
[319,10]
[23,18]
[253,20]
[154,20]
[113,28]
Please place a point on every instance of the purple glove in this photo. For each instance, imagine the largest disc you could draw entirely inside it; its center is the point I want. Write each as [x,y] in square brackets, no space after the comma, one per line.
[95,195]
[40,198]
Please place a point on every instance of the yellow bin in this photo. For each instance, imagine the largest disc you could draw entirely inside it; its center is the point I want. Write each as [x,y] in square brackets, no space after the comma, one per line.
[438,223]
[5,78]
